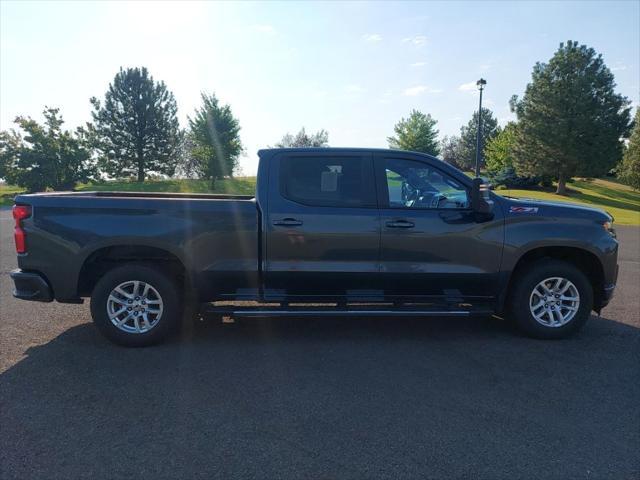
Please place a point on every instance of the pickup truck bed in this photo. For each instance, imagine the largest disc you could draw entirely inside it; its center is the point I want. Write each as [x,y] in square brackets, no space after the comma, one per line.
[72,230]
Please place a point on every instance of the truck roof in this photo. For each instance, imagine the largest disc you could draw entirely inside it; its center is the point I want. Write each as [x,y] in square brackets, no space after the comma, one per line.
[337,150]
[267,153]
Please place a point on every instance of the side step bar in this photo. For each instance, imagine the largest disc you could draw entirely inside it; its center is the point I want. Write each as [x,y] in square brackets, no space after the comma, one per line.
[315,311]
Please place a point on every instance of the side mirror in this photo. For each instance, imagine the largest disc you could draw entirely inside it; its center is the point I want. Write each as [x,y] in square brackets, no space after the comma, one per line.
[480,199]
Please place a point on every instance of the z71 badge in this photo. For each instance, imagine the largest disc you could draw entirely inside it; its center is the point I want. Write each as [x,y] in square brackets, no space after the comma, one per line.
[523,210]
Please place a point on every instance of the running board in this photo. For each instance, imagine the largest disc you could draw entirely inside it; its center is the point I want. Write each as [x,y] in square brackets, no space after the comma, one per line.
[336,311]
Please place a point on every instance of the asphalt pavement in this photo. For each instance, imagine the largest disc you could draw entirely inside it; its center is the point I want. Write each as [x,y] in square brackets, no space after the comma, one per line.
[336,398]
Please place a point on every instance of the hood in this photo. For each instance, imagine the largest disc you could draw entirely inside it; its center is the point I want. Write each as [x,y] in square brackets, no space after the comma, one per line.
[531,206]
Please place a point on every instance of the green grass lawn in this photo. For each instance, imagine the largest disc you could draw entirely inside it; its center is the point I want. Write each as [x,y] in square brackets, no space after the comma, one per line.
[7,192]
[619,200]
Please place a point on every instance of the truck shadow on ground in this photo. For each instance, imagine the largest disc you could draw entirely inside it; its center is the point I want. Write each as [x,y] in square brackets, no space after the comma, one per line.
[330,397]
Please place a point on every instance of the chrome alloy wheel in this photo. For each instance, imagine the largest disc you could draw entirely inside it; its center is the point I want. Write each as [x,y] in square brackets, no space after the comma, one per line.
[554,302]
[134,306]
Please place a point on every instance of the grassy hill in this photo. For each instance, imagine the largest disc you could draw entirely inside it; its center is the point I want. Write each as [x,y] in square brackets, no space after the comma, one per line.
[619,200]
[7,192]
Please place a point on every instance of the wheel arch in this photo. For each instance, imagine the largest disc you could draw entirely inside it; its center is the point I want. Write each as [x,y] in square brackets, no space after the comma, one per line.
[99,261]
[583,259]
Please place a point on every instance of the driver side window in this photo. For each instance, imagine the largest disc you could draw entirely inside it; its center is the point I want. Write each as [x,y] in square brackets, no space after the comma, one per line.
[413,184]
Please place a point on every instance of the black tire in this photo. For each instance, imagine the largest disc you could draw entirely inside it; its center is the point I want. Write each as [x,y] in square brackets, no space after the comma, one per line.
[523,286]
[169,292]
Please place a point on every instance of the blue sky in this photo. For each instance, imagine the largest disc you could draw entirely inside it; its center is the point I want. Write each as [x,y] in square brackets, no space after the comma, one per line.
[353,69]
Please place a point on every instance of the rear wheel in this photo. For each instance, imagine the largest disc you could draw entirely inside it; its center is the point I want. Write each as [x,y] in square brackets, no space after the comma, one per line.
[136,305]
[551,299]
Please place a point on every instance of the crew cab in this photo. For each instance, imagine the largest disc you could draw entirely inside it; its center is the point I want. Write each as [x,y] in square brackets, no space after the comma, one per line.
[330,231]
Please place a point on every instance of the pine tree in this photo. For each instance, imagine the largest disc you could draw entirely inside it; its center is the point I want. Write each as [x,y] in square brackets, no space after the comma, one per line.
[570,120]
[468,137]
[136,129]
[629,171]
[416,133]
[215,137]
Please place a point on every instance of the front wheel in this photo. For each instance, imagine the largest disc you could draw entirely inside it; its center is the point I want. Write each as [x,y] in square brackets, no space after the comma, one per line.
[551,299]
[136,305]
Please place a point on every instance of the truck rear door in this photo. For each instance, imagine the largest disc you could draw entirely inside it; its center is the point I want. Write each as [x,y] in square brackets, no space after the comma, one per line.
[322,226]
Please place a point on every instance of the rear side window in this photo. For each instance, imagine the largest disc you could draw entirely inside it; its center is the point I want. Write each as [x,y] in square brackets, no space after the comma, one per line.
[327,181]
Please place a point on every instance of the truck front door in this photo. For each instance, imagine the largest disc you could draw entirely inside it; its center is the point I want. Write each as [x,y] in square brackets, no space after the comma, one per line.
[434,247]
[322,227]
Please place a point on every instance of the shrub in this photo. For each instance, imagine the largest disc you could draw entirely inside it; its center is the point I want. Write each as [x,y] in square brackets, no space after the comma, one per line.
[509,178]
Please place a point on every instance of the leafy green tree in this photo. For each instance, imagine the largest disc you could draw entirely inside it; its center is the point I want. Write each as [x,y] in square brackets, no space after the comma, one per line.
[135,129]
[629,171]
[47,156]
[570,120]
[450,151]
[188,166]
[468,137]
[302,139]
[499,150]
[215,138]
[417,133]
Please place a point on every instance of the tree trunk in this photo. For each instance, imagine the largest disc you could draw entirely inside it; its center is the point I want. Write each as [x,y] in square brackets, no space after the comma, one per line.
[140,167]
[562,184]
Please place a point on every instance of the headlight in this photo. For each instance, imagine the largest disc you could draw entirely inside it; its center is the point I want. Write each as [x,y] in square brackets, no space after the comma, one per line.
[608,226]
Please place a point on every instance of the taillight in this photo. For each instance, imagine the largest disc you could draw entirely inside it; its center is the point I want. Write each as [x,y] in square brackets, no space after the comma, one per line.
[20,212]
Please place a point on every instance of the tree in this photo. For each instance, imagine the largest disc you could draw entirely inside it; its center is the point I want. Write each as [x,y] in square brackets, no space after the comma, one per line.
[215,137]
[416,133]
[136,130]
[303,140]
[570,120]
[499,150]
[47,156]
[188,165]
[450,151]
[469,134]
[629,171]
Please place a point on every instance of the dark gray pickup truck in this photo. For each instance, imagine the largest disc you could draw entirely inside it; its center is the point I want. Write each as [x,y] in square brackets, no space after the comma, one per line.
[329,232]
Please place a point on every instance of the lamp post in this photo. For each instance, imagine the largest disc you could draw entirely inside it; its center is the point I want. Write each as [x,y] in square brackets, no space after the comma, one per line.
[480,83]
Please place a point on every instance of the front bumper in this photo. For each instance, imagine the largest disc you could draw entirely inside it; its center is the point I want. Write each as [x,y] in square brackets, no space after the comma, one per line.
[606,294]
[31,286]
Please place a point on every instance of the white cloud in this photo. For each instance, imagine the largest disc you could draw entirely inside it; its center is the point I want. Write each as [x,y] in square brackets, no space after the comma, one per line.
[418,64]
[386,97]
[484,67]
[419,90]
[265,29]
[467,87]
[372,37]
[418,40]
[618,67]
[354,88]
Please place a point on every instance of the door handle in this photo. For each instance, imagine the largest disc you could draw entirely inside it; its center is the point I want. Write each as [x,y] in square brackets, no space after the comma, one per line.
[288,222]
[400,224]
